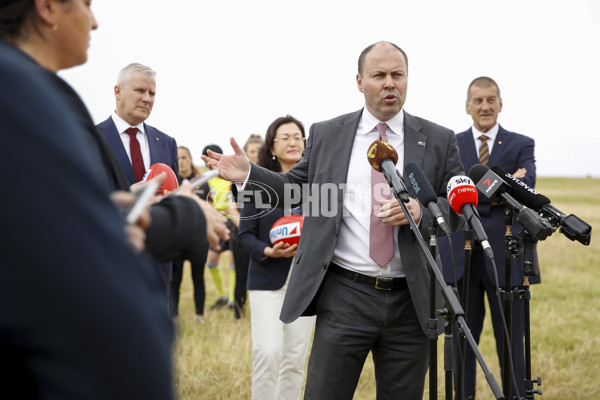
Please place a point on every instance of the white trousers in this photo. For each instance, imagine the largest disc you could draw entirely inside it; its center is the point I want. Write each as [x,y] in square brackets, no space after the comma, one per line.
[279,351]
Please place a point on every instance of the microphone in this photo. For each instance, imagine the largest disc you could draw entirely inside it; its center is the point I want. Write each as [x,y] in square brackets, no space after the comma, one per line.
[383,158]
[463,198]
[425,193]
[498,190]
[571,226]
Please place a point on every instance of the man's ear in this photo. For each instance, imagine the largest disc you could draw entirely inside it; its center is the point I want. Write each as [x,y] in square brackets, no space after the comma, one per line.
[359,83]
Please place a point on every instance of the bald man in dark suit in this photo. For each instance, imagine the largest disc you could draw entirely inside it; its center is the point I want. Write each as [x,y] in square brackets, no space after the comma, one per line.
[364,302]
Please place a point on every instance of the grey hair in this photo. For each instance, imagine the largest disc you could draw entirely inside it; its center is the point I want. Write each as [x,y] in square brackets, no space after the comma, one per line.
[483,82]
[126,72]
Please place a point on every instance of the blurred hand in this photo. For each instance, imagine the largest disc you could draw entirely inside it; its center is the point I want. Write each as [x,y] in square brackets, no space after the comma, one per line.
[216,223]
[161,178]
[391,212]
[281,250]
[233,168]
[520,173]
[135,233]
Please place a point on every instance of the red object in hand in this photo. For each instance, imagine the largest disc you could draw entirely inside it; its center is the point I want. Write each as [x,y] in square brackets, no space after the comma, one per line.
[170,184]
[287,230]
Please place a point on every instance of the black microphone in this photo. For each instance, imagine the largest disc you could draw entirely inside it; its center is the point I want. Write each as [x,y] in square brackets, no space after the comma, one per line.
[571,226]
[425,193]
[494,187]
[462,196]
[383,158]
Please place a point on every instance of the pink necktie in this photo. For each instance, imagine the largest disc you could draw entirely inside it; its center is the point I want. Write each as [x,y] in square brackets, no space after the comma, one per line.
[136,155]
[381,239]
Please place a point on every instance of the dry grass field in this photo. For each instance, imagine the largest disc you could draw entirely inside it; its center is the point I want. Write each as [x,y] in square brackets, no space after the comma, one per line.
[214,361]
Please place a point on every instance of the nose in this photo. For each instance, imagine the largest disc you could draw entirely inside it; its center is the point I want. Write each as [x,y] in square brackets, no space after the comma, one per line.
[94,22]
[389,82]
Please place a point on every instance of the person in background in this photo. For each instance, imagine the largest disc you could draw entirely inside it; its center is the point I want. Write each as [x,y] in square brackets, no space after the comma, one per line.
[278,350]
[486,142]
[252,146]
[187,170]
[136,144]
[217,191]
[242,258]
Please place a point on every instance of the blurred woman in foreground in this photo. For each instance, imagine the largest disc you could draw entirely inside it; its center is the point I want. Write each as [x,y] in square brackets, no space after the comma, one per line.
[81,315]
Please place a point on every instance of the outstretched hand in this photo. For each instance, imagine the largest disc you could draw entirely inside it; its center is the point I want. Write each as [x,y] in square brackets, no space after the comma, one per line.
[233,168]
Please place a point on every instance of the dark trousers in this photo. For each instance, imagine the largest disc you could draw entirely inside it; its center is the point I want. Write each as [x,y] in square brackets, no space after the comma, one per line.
[197,280]
[479,285]
[242,261]
[354,319]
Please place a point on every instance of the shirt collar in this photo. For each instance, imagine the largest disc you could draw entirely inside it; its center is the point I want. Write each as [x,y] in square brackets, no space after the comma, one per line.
[491,134]
[369,122]
[122,125]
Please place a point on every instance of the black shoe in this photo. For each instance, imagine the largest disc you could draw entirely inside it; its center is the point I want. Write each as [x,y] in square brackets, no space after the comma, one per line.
[220,303]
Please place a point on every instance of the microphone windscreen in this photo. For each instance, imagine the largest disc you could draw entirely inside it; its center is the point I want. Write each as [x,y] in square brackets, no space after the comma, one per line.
[379,151]
[461,191]
[522,192]
[419,183]
[477,172]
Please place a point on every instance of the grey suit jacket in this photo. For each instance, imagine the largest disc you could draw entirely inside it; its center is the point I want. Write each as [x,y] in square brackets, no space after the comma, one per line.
[325,161]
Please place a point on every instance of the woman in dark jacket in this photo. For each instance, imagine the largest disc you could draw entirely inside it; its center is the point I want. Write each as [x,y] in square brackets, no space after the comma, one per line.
[278,350]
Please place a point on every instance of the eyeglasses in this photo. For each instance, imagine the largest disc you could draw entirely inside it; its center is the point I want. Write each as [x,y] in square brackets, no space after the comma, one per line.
[288,139]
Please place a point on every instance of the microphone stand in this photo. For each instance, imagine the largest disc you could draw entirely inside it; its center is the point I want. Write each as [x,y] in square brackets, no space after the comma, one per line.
[432,323]
[460,383]
[530,268]
[452,305]
[507,299]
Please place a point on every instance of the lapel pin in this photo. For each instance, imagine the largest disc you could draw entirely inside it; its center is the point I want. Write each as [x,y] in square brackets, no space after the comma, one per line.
[157,139]
[421,143]
[500,142]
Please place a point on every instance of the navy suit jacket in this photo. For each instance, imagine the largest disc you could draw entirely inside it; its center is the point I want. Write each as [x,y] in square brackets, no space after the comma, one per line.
[264,273]
[163,148]
[75,300]
[510,152]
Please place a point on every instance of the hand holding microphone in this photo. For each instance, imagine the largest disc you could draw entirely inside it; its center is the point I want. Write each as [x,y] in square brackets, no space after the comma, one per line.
[463,198]
[383,158]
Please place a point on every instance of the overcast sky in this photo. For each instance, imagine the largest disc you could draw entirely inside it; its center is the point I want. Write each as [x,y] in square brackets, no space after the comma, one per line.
[230,68]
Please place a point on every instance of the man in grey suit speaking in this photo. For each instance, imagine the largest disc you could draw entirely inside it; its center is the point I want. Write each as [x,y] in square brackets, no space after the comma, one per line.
[360,271]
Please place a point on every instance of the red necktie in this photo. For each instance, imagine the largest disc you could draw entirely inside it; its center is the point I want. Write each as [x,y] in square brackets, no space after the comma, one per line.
[381,239]
[136,155]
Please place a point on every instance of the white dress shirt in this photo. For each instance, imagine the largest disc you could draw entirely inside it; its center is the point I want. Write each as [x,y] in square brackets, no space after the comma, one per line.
[141,136]
[491,134]
[352,249]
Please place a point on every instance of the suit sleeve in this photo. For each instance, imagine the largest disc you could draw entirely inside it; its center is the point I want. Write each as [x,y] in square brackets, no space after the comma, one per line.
[527,161]
[451,167]
[248,234]
[178,229]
